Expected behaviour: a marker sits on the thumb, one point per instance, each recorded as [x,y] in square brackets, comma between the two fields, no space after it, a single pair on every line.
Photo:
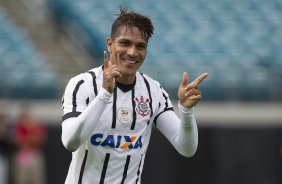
[110,64]
[185,79]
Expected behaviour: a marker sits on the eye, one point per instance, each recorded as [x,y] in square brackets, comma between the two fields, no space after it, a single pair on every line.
[141,46]
[124,43]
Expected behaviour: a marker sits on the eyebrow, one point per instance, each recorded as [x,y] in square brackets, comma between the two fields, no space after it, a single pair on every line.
[123,39]
[128,40]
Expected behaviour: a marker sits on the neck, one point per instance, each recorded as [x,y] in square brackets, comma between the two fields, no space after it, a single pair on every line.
[127,80]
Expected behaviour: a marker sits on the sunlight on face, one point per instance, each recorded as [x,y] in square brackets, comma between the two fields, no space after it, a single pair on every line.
[128,51]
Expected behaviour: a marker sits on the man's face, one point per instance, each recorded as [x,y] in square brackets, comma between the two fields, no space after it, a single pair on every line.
[128,51]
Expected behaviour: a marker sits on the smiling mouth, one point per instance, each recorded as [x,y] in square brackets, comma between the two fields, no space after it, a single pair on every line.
[130,61]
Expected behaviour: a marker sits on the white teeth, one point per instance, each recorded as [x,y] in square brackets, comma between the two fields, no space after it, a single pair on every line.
[131,61]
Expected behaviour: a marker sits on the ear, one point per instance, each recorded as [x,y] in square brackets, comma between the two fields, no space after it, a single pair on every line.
[109,44]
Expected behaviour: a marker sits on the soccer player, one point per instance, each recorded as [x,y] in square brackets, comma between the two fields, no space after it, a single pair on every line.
[109,111]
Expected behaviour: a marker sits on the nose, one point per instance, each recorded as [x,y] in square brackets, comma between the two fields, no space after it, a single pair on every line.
[132,51]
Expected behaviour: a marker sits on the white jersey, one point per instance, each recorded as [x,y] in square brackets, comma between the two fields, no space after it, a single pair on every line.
[115,151]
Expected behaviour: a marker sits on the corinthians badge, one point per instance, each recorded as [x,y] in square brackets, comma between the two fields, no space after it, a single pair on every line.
[124,115]
[142,106]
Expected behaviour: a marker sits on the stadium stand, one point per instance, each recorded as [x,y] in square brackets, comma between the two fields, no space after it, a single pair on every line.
[24,72]
[237,42]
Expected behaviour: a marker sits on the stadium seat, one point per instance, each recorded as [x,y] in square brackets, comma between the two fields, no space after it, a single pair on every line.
[23,71]
[222,37]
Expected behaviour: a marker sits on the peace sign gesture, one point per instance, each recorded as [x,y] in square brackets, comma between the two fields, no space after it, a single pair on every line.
[189,94]
[110,74]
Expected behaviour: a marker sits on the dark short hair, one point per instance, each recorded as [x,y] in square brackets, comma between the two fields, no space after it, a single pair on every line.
[131,19]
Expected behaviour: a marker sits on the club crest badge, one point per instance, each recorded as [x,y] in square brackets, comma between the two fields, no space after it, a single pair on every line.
[124,115]
[142,106]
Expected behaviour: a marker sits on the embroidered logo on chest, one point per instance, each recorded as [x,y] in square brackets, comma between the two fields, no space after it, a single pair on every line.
[142,105]
[124,115]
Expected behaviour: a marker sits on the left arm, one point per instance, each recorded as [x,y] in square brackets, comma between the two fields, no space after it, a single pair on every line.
[183,132]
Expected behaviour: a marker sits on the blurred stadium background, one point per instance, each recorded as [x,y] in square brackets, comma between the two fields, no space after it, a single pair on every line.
[43,43]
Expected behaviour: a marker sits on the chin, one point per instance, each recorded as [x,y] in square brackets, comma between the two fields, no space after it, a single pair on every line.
[128,73]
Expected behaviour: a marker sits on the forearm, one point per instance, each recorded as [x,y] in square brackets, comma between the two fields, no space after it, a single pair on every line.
[76,130]
[187,137]
[182,133]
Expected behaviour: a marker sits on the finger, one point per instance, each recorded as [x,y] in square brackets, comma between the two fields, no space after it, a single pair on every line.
[196,82]
[185,79]
[199,79]
[113,70]
[110,65]
[106,60]
[196,97]
[190,92]
[192,85]
[115,74]
[193,92]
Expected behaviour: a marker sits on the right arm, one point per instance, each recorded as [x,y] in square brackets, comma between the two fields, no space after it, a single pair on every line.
[78,128]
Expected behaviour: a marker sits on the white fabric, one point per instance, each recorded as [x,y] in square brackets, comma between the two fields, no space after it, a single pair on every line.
[75,131]
[96,133]
[183,132]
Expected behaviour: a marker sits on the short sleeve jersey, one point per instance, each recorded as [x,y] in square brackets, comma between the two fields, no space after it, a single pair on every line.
[115,151]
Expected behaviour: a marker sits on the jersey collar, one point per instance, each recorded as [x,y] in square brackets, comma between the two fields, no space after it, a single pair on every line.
[126,87]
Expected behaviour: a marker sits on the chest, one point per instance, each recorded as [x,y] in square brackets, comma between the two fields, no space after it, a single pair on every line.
[129,111]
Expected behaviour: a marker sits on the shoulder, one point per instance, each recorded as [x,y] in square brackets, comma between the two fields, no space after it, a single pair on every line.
[94,72]
[152,85]
[155,87]
[90,74]
[152,82]
[85,77]
[82,83]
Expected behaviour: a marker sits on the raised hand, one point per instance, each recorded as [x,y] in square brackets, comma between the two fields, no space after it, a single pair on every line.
[188,93]
[111,72]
